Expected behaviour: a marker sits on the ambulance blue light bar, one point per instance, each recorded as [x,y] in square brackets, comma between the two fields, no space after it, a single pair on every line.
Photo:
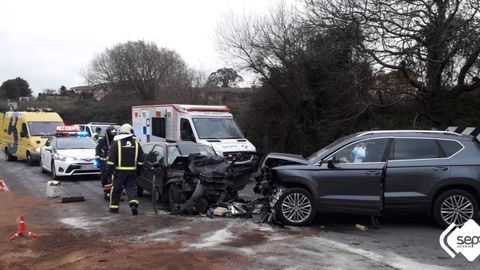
[82,134]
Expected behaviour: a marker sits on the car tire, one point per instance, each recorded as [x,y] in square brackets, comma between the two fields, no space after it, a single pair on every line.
[42,170]
[452,202]
[30,160]
[139,191]
[9,157]
[295,207]
[54,172]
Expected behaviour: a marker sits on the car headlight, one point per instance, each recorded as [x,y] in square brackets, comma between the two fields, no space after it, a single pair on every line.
[63,158]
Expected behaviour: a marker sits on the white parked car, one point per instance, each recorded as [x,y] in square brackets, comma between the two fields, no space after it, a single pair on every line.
[69,155]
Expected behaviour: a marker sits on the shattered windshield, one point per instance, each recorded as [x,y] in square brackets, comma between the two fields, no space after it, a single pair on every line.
[196,148]
[217,128]
[185,149]
[43,128]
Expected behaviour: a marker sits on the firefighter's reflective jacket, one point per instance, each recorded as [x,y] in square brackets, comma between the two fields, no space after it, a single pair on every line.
[125,154]
[101,151]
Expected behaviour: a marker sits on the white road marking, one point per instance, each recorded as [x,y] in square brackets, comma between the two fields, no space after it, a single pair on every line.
[391,259]
[82,223]
[215,239]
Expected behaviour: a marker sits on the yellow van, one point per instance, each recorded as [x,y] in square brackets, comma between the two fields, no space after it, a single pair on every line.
[1,125]
[24,133]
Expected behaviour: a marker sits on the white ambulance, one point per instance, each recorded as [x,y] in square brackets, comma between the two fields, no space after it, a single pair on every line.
[210,125]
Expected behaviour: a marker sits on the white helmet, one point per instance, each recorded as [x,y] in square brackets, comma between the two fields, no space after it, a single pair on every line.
[126,129]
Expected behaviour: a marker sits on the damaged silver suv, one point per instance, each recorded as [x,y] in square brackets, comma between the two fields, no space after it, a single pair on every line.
[376,172]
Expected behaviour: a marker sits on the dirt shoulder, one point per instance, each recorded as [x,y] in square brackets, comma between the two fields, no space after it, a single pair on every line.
[58,247]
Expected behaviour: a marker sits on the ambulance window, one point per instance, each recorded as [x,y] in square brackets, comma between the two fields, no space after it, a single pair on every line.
[158,127]
[24,132]
[186,130]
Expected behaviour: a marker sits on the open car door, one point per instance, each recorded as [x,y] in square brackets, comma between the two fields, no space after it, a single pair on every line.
[352,180]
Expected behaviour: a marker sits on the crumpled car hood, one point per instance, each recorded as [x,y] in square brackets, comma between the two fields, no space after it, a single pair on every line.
[281,159]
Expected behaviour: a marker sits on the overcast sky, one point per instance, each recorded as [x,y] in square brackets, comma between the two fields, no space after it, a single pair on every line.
[49,42]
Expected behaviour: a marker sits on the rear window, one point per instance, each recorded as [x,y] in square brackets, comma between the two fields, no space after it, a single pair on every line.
[450,147]
[416,149]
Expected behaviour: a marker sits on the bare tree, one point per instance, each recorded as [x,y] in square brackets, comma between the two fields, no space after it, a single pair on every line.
[309,78]
[434,44]
[139,68]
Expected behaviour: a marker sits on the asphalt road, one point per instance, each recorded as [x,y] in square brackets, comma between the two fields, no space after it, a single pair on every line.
[332,242]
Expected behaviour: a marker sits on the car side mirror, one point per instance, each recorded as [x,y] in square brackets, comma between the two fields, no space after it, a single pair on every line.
[23,134]
[331,163]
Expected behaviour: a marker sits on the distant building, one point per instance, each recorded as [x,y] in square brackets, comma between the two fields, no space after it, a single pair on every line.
[24,99]
[98,91]
[12,105]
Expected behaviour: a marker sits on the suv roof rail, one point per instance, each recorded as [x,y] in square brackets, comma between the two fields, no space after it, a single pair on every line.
[409,131]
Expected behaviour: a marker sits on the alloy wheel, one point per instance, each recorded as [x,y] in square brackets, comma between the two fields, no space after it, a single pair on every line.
[457,209]
[296,207]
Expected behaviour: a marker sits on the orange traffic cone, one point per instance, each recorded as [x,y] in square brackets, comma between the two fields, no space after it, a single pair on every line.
[3,186]
[22,230]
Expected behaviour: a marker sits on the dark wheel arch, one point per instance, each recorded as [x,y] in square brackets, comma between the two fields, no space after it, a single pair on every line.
[284,178]
[446,188]
[30,160]
[8,156]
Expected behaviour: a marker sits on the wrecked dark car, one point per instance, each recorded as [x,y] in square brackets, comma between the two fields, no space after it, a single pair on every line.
[191,177]
[375,172]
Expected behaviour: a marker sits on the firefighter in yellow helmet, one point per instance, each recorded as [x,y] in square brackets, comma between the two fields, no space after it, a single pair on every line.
[125,158]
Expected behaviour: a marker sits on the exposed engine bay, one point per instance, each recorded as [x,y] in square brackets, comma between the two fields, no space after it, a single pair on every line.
[209,181]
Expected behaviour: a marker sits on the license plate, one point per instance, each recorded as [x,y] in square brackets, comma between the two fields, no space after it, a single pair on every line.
[89,167]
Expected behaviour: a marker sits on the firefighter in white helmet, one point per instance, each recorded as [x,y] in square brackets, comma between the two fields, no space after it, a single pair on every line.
[125,158]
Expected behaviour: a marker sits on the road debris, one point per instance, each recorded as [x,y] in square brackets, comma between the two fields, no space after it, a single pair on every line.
[71,198]
[360,227]
[220,211]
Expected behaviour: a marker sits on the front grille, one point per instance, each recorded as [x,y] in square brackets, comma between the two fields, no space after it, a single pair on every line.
[243,156]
